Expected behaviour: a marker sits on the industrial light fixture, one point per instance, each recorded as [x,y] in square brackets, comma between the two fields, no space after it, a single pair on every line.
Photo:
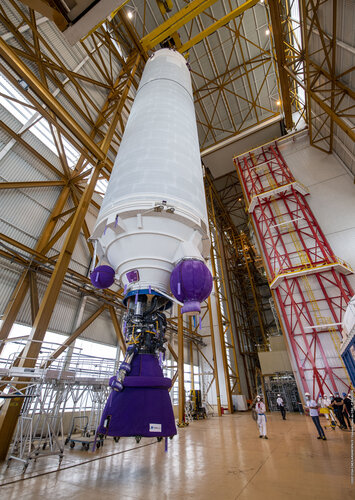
[278,103]
[267,32]
[130,14]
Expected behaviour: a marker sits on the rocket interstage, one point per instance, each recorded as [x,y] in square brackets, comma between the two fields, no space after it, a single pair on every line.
[153,215]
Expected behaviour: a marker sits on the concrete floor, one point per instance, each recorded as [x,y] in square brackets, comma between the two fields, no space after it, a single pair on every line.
[219,458]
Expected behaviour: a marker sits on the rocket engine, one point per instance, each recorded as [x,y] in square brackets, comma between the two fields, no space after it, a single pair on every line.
[152,236]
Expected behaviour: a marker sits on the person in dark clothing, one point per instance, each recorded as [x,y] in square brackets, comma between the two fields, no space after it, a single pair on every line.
[281,406]
[338,405]
[348,404]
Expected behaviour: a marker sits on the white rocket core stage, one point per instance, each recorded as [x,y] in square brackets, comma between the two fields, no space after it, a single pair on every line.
[154,211]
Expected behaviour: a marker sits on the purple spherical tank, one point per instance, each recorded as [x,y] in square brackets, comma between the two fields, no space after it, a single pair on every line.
[191,283]
[102,277]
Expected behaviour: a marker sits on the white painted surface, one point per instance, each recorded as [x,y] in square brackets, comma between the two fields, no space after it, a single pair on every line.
[158,163]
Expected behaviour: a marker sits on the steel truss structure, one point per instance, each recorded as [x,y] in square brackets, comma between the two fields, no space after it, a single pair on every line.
[308,281]
[240,308]
[307,51]
[239,90]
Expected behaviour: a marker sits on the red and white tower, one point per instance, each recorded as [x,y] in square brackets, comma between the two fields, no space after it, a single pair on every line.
[308,281]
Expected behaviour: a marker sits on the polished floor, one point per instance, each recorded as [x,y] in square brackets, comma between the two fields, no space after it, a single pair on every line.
[219,458]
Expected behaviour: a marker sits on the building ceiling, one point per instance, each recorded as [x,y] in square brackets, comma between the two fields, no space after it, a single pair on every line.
[233,73]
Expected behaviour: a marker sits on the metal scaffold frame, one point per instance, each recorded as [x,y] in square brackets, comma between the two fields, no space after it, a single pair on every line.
[309,282]
[53,387]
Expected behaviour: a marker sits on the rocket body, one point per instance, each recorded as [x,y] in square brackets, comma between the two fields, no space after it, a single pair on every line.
[153,214]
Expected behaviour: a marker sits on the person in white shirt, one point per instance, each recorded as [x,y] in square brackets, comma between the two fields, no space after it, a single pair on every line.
[281,405]
[313,413]
[260,409]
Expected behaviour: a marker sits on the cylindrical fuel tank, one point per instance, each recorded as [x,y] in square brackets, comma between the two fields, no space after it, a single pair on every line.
[154,212]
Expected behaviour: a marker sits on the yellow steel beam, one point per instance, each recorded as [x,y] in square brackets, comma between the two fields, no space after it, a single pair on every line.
[57,235]
[328,110]
[20,291]
[175,22]
[222,340]
[192,363]
[133,34]
[34,295]
[73,336]
[32,150]
[45,95]
[275,16]
[180,361]
[214,358]
[32,184]
[173,353]
[218,24]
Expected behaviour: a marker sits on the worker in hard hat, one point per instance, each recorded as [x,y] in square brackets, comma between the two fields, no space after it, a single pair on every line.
[312,406]
[281,406]
[261,413]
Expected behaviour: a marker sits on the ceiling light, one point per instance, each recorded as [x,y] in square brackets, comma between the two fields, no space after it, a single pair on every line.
[130,14]
[267,32]
[278,103]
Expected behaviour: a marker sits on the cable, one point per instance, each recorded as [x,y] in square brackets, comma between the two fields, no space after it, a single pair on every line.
[75,465]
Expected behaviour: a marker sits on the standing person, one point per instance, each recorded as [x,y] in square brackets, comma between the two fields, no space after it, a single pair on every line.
[313,412]
[347,408]
[350,406]
[338,405]
[261,413]
[280,404]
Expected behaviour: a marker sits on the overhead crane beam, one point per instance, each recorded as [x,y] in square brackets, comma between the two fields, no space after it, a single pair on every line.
[192,10]
[171,25]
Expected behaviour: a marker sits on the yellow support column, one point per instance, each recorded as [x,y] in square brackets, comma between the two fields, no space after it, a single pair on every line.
[216,379]
[181,421]
[191,357]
